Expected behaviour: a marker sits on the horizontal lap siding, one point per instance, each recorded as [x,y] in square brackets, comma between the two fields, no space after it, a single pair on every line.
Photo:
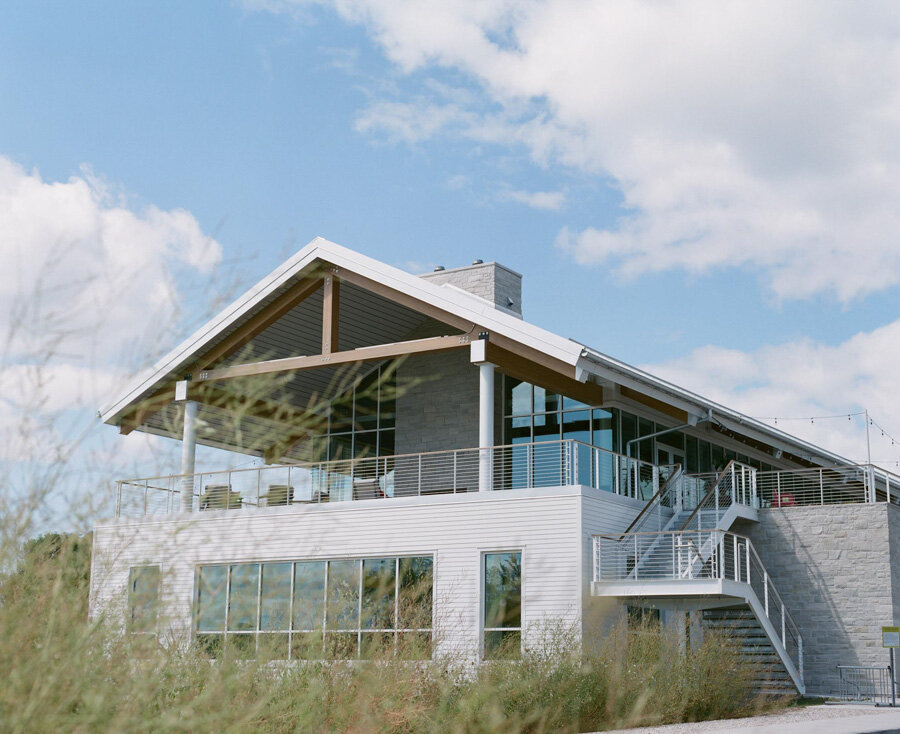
[456,530]
[603,512]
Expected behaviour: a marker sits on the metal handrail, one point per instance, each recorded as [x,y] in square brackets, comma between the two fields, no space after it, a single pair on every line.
[712,491]
[656,498]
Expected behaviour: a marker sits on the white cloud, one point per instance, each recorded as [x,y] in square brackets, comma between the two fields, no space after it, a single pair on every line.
[89,284]
[546,200]
[751,133]
[802,379]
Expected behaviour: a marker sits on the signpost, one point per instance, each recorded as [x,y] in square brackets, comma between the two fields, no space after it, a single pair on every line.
[890,638]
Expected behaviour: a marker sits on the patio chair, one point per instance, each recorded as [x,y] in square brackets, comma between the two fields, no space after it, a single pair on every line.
[279,495]
[220,497]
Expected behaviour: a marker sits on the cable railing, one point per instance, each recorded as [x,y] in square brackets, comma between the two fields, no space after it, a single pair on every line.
[517,466]
[838,485]
[679,556]
[735,484]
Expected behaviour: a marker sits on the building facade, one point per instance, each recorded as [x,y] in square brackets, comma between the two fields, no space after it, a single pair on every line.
[439,477]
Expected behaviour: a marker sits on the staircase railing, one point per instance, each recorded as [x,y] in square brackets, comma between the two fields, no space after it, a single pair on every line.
[735,484]
[699,555]
[665,498]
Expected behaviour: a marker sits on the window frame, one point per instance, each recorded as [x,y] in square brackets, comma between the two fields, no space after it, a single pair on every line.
[153,629]
[482,598]
[358,630]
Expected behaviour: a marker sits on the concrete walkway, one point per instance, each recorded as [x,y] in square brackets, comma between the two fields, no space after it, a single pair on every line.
[825,719]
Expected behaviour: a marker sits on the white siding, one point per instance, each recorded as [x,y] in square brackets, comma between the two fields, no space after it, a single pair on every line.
[456,529]
[604,512]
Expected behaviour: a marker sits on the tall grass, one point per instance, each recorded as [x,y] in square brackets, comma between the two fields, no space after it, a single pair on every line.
[63,673]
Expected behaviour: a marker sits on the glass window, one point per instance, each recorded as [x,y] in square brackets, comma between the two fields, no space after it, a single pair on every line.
[243,593]
[143,598]
[309,595]
[342,610]
[545,401]
[705,461]
[502,604]
[691,457]
[396,593]
[416,585]
[275,596]
[516,397]
[211,596]
[379,586]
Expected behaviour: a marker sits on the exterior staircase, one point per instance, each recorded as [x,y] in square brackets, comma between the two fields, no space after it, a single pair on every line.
[740,624]
[693,561]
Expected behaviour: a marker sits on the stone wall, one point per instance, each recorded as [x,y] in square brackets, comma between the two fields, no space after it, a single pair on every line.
[493,282]
[837,568]
[437,406]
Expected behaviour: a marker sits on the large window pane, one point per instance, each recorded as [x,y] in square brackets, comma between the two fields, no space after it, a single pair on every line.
[143,598]
[243,597]
[211,595]
[379,581]
[604,438]
[343,595]
[545,400]
[275,601]
[502,604]
[502,590]
[517,397]
[416,592]
[309,595]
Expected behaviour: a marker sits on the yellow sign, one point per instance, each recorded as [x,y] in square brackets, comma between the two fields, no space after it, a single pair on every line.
[890,636]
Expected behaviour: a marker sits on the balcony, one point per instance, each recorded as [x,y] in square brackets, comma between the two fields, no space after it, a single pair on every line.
[498,468]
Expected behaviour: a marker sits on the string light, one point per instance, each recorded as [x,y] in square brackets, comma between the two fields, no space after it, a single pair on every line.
[849,416]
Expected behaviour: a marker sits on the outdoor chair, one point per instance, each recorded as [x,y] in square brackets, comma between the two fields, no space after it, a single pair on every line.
[220,497]
[279,495]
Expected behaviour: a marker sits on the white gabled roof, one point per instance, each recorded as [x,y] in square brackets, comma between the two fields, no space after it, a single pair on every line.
[466,306]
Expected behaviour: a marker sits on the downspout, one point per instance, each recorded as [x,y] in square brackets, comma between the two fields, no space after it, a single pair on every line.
[709,417]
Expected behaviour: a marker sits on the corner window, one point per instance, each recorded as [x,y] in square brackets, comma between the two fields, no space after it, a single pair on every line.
[502,605]
[143,599]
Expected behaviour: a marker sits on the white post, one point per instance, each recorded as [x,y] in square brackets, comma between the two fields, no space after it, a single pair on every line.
[188,454]
[485,414]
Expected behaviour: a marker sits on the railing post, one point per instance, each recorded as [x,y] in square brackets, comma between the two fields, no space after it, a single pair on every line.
[146,491]
[733,488]
[737,560]
[800,657]
[118,498]
[871,483]
[675,573]
[821,489]
[783,635]
[420,475]
[747,547]
[635,557]
[766,591]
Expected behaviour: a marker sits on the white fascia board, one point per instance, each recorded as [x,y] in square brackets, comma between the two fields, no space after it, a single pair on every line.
[606,367]
[465,305]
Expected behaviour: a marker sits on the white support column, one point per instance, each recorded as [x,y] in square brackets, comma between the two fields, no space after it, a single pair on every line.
[188,449]
[485,415]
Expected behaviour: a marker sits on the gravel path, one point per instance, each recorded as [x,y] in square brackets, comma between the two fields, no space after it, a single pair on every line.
[823,719]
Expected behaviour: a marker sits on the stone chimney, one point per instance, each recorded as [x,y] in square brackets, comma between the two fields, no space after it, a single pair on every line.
[491,281]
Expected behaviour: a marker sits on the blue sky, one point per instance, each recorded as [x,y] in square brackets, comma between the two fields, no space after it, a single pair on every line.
[708,191]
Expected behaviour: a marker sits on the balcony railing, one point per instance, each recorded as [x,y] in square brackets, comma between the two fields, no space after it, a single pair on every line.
[516,466]
[838,485]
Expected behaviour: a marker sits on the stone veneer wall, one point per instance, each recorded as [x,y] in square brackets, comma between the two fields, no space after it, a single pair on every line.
[837,568]
[437,405]
[493,282]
